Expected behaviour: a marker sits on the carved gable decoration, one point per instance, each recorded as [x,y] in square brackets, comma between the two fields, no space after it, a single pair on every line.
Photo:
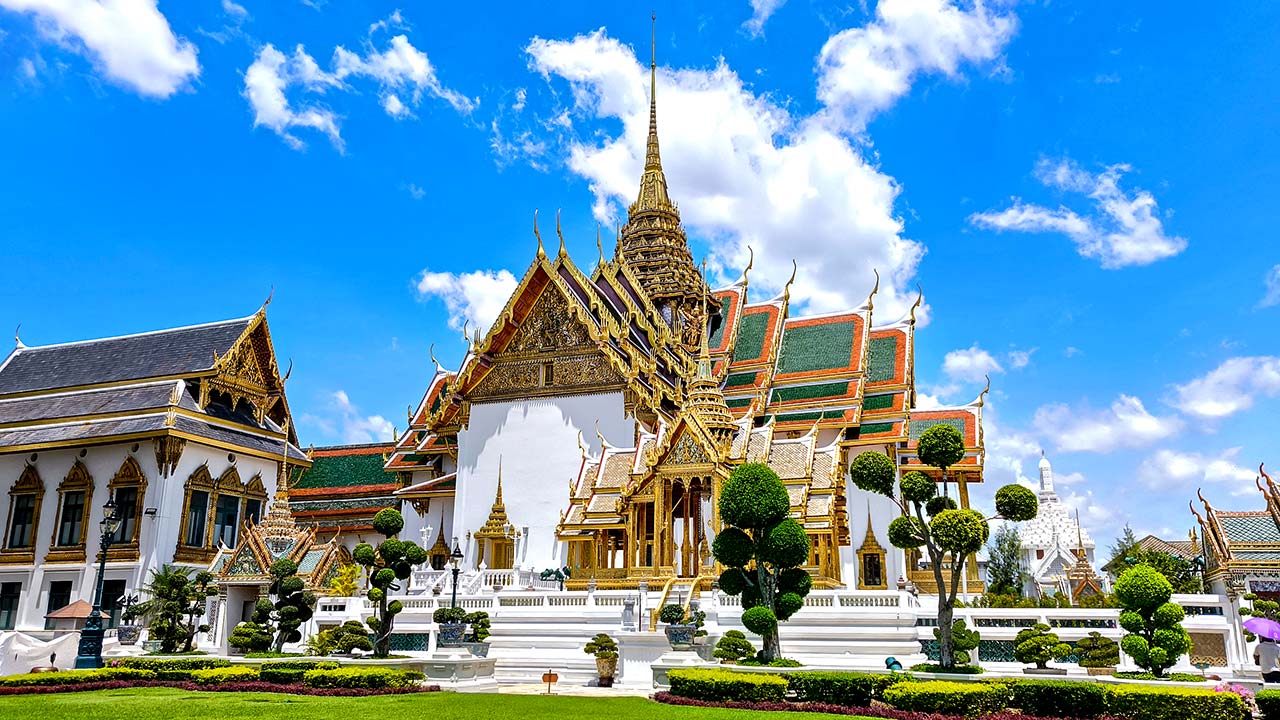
[549,326]
[244,563]
[686,450]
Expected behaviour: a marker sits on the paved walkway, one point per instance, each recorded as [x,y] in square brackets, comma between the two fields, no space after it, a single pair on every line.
[573,690]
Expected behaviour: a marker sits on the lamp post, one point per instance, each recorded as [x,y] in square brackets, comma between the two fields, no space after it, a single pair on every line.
[455,559]
[90,651]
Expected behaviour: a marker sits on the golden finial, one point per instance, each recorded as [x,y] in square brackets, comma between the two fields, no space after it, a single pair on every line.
[408,416]
[175,395]
[270,294]
[599,245]
[17,341]
[1263,472]
[982,395]
[563,252]
[288,372]
[751,262]
[786,290]
[466,333]
[653,39]
[603,444]
[542,254]
[919,299]
[583,447]
[874,290]
[431,352]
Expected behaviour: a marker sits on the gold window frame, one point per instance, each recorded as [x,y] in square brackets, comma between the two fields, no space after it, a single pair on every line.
[199,480]
[29,483]
[871,548]
[78,479]
[129,475]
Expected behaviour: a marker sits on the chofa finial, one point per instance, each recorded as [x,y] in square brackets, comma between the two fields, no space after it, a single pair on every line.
[270,294]
[17,341]
[563,251]
[542,253]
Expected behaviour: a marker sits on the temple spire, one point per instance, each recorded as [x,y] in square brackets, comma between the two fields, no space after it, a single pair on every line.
[652,160]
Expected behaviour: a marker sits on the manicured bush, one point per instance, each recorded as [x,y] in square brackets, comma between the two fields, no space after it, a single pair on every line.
[725,685]
[1037,645]
[734,646]
[602,647]
[1143,702]
[957,670]
[1058,698]
[1269,703]
[361,678]
[672,614]
[219,676]
[1098,651]
[291,671]
[837,688]
[449,615]
[392,560]
[1157,638]
[178,668]
[252,637]
[479,624]
[949,698]
[76,677]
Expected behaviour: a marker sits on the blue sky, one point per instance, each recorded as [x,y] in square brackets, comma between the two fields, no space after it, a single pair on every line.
[1085,192]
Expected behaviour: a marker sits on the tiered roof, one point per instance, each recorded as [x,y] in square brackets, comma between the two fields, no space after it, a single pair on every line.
[1245,543]
[345,487]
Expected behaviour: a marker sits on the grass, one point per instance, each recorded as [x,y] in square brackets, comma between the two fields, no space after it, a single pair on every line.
[167,704]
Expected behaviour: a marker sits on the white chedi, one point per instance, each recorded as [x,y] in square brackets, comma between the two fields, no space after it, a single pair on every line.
[1052,541]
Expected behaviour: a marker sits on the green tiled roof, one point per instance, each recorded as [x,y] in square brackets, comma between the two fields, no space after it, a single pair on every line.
[345,471]
[816,347]
[740,379]
[1256,528]
[717,337]
[880,363]
[373,503]
[735,403]
[750,342]
[310,560]
[872,429]
[805,416]
[919,426]
[1256,554]
[810,392]
[878,402]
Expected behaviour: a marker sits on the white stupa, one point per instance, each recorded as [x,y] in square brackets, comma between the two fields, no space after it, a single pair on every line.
[1053,541]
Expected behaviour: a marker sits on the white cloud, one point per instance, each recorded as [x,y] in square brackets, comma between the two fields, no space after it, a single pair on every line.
[401,69]
[1271,297]
[234,10]
[973,364]
[27,69]
[1230,387]
[1170,468]
[761,11]
[1126,424]
[473,298]
[129,41]
[865,70]
[1072,351]
[1019,359]
[356,428]
[1006,451]
[395,19]
[1122,230]
[416,191]
[264,85]
[1093,513]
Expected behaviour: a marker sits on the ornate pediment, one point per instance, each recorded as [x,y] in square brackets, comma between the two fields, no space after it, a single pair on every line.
[549,327]
[687,451]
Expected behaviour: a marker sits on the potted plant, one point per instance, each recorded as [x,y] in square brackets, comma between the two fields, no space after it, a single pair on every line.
[680,632]
[606,651]
[1038,645]
[733,647]
[479,630]
[452,622]
[1098,655]
[128,632]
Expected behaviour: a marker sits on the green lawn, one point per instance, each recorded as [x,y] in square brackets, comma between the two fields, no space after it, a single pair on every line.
[167,704]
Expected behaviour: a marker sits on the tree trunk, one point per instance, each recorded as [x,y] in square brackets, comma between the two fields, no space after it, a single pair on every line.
[946,651]
[772,649]
[772,646]
[384,627]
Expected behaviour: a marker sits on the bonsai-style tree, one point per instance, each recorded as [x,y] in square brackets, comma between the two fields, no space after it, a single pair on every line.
[1005,573]
[449,616]
[963,639]
[392,560]
[1157,638]
[672,614]
[602,647]
[762,549]
[734,646]
[294,604]
[950,535]
[175,605]
[1037,645]
[557,574]
[479,622]
[256,635]
[1097,651]
[350,635]
[345,581]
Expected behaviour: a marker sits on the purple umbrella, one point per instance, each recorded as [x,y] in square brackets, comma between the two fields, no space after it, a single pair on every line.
[1262,627]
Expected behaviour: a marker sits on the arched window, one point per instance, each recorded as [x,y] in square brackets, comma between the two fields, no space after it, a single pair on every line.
[871,562]
[23,518]
[193,536]
[75,498]
[228,495]
[128,488]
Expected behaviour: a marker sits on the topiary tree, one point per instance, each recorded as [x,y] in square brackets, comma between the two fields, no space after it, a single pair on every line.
[256,634]
[762,550]
[1097,651]
[950,535]
[176,602]
[1157,638]
[294,604]
[734,646]
[1037,645]
[480,624]
[392,560]
[963,639]
[350,635]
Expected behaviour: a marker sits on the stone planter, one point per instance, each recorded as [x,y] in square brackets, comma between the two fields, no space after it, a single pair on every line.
[451,634]
[1101,670]
[606,668]
[681,636]
[478,649]
[128,634]
[1044,671]
[151,646]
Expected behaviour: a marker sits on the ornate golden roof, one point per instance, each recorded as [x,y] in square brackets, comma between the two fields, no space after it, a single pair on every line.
[495,526]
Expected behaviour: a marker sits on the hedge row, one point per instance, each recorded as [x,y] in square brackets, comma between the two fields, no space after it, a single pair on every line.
[313,674]
[1040,698]
[176,668]
[294,689]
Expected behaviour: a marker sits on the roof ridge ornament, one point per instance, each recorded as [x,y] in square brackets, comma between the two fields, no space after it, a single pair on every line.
[17,341]
[563,251]
[542,253]
[270,294]
[599,245]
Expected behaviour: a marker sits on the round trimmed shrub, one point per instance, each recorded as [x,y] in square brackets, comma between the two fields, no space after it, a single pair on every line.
[734,646]
[388,522]
[1014,502]
[906,533]
[960,532]
[873,471]
[795,580]
[1142,587]
[917,487]
[364,554]
[787,544]
[759,620]
[753,497]
[940,446]
[732,581]
[940,503]
[733,547]
[788,604]
[1132,621]
[1168,614]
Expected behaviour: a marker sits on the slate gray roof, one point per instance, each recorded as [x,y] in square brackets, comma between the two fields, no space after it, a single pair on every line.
[132,357]
[1253,527]
[95,402]
[240,439]
[83,431]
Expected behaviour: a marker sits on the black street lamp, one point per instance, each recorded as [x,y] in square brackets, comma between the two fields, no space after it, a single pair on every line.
[455,559]
[90,652]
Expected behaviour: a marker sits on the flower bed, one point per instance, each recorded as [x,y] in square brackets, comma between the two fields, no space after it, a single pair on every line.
[830,709]
[264,687]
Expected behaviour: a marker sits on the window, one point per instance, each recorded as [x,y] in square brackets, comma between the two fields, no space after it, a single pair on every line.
[871,561]
[872,570]
[128,488]
[548,374]
[10,592]
[22,521]
[197,511]
[59,597]
[127,506]
[112,590]
[252,511]
[71,524]
[225,520]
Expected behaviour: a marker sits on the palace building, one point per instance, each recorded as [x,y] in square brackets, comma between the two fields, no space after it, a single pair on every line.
[187,430]
[593,424]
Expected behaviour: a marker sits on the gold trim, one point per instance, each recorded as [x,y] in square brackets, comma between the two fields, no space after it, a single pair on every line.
[78,479]
[29,483]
